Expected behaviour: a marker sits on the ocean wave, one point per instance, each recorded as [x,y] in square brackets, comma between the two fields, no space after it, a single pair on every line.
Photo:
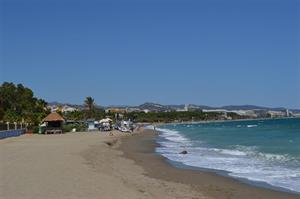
[254,152]
[231,152]
[240,161]
[151,127]
[248,126]
[284,158]
[173,135]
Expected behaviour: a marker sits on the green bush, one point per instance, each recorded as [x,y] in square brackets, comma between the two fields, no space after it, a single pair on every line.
[78,127]
[35,129]
[171,116]
[67,128]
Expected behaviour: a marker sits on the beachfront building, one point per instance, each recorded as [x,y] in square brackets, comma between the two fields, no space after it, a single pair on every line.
[62,108]
[137,110]
[277,114]
[247,113]
[53,108]
[185,109]
[116,110]
[92,125]
[133,110]
[146,110]
[296,114]
[68,109]
[53,123]
[215,111]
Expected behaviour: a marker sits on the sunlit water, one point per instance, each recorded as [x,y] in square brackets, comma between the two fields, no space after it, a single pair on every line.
[261,150]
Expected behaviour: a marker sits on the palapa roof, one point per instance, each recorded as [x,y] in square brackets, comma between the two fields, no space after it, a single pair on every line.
[53,117]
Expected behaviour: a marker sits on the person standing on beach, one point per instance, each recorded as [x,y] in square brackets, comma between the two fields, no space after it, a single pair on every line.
[156,132]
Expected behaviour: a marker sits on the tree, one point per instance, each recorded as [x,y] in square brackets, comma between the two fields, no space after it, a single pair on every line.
[1,109]
[89,102]
[74,115]
[17,103]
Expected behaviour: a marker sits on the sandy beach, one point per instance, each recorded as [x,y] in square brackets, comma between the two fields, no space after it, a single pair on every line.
[96,165]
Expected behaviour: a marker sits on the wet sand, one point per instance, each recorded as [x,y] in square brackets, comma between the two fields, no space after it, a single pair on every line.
[140,148]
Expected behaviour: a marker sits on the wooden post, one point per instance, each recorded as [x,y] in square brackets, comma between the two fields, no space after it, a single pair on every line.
[22,123]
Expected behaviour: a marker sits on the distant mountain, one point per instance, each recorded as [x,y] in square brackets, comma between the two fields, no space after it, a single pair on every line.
[155,107]
[63,104]
[295,110]
[54,103]
[118,106]
[160,107]
[194,106]
[78,106]
[244,107]
[252,107]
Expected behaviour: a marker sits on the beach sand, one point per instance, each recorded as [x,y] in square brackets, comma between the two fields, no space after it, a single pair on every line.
[140,148]
[96,165]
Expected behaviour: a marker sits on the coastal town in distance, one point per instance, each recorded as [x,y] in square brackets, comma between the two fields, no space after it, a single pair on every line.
[246,111]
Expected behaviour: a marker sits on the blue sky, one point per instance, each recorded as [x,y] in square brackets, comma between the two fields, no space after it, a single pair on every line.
[208,52]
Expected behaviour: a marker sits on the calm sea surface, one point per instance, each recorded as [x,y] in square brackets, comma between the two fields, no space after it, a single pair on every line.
[262,150]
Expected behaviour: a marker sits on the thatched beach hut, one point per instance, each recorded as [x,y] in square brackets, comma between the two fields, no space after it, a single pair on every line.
[54,123]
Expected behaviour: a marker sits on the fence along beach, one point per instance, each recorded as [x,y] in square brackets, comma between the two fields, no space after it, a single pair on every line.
[12,129]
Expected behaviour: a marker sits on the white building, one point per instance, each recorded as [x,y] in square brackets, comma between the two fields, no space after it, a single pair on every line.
[277,113]
[185,109]
[53,108]
[66,109]
[214,111]
[249,113]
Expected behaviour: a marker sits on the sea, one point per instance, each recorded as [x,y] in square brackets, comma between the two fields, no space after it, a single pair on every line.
[263,152]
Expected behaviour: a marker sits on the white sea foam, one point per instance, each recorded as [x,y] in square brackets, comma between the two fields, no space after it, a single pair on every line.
[174,136]
[241,161]
[251,126]
[151,127]
[232,152]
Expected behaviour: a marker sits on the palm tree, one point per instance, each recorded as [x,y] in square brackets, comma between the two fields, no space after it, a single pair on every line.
[89,102]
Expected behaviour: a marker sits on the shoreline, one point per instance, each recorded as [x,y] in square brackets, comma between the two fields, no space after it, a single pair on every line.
[141,149]
[224,173]
[292,188]
[85,165]
[216,121]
